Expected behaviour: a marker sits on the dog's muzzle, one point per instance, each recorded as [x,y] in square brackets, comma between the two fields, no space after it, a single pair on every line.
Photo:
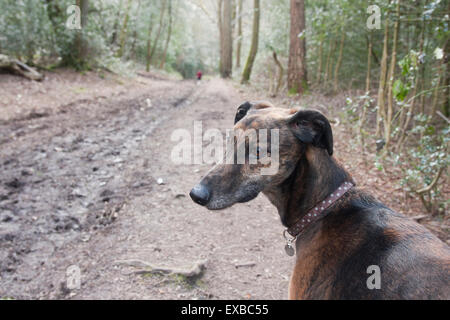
[200,194]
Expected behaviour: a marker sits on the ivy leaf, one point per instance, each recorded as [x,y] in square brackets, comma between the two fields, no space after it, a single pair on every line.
[400,90]
[430,130]
[405,65]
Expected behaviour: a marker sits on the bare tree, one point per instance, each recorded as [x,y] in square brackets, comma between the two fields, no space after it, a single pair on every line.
[280,73]
[132,53]
[226,38]
[339,61]
[151,52]
[320,65]
[80,44]
[149,42]
[239,34]
[116,24]
[169,34]
[390,109]
[254,46]
[382,84]
[369,61]
[297,77]
[123,32]
[329,63]
[446,105]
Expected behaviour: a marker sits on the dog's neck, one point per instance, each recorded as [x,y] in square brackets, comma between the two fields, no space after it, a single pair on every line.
[315,177]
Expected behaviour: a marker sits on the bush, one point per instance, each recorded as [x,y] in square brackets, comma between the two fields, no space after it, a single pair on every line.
[424,164]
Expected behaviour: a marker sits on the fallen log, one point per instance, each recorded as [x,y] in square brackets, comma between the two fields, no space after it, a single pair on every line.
[20,68]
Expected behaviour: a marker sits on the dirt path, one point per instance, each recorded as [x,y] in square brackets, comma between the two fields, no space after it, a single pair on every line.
[79,187]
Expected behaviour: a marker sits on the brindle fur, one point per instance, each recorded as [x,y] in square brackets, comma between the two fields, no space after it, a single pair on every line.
[357,231]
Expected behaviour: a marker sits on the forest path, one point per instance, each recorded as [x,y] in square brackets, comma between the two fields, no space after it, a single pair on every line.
[80,159]
[79,188]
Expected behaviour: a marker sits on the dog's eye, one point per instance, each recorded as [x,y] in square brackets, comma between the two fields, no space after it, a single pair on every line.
[302,123]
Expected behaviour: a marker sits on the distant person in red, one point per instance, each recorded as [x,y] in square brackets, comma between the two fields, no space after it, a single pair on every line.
[199,75]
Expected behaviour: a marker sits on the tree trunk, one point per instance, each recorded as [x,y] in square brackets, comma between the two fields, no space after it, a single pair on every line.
[280,74]
[381,87]
[436,95]
[152,48]
[446,105]
[239,35]
[158,32]
[254,46]
[339,61]
[233,16]
[271,70]
[369,62]
[169,33]
[80,43]
[124,30]
[331,47]
[149,44]
[319,68]
[297,76]
[390,110]
[55,15]
[132,54]
[116,24]
[226,57]
[409,114]
[220,26]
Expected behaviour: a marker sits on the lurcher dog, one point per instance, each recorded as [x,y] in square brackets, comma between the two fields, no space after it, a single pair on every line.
[352,231]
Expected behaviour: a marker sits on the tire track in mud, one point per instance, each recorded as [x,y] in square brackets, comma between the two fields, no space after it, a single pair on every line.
[62,176]
[164,228]
[97,162]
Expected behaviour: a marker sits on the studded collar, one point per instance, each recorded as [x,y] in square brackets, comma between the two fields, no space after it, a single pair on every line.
[315,213]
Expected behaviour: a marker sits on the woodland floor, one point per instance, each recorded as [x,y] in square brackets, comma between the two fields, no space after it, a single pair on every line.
[80,156]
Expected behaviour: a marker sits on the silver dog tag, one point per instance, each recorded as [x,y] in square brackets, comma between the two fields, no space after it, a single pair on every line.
[290,251]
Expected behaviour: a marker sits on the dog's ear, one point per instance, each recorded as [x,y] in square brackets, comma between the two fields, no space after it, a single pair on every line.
[242,111]
[312,127]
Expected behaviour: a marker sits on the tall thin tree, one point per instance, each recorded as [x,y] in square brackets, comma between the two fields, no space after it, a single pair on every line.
[382,83]
[150,53]
[369,61]
[390,102]
[239,34]
[254,46]
[124,30]
[339,60]
[80,42]
[169,34]
[116,24]
[297,76]
[226,52]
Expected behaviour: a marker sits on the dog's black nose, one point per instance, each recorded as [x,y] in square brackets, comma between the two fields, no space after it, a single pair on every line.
[200,194]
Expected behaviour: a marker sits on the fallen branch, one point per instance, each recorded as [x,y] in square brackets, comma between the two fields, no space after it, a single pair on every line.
[420,217]
[280,74]
[442,116]
[20,68]
[190,272]
[432,184]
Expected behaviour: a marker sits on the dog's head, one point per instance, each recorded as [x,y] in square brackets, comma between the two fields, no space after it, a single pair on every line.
[272,138]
